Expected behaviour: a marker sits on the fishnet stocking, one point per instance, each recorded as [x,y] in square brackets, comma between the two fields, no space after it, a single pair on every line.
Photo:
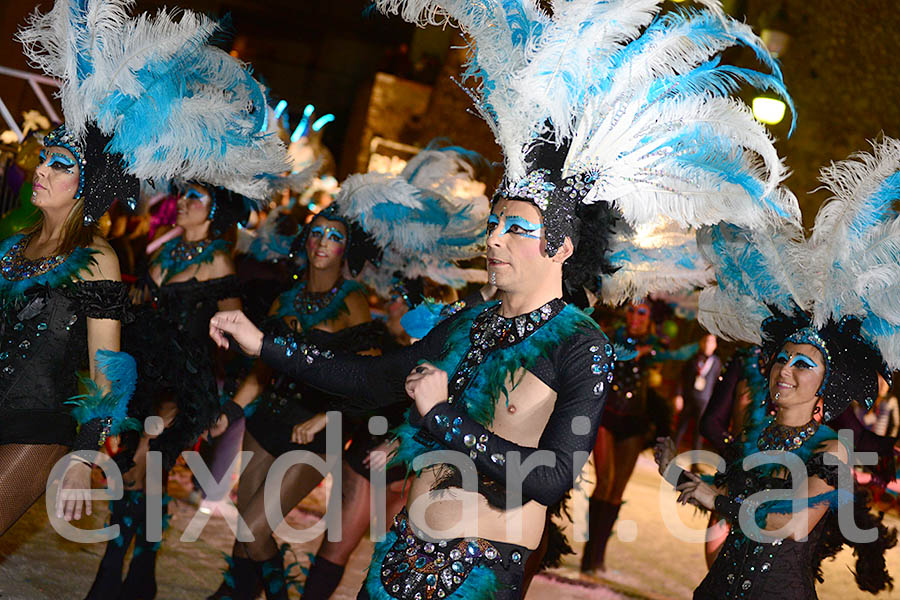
[299,481]
[24,469]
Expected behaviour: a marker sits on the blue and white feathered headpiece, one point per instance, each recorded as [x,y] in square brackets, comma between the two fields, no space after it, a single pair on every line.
[172,105]
[611,101]
[662,258]
[839,290]
[426,219]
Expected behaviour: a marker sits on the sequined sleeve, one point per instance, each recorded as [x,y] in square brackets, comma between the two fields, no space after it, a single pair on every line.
[365,382]
[581,385]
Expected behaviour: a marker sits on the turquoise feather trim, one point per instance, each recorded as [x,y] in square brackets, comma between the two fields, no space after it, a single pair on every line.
[171,266]
[422,319]
[279,576]
[332,311]
[409,448]
[481,584]
[63,274]
[479,398]
[121,371]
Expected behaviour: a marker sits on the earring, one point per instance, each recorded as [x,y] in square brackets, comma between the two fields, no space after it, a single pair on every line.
[777,396]
[816,410]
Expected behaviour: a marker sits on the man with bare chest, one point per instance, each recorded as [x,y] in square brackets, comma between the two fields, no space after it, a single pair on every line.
[507,398]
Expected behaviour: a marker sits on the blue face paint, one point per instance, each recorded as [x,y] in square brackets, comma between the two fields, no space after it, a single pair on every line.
[58,162]
[801,360]
[193,194]
[517,225]
[330,233]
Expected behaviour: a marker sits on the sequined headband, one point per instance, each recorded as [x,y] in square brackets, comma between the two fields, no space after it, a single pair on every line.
[62,138]
[557,201]
[809,335]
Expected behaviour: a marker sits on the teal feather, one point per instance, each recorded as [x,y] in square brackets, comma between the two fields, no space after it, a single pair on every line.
[422,319]
[489,382]
[63,274]
[121,371]
[335,308]
[171,266]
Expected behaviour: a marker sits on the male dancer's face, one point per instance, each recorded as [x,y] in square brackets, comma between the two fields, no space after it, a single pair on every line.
[326,243]
[516,257]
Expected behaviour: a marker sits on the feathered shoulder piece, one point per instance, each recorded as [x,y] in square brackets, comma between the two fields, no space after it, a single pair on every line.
[172,104]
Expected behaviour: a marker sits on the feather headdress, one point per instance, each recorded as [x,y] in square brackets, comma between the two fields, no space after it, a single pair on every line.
[837,290]
[614,102]
[170,104]
[652,259]
[426,219]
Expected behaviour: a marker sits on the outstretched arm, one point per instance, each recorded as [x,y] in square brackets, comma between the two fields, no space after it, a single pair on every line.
[369,381]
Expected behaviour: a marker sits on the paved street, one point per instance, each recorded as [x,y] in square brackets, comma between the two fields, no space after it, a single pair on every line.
[37,564]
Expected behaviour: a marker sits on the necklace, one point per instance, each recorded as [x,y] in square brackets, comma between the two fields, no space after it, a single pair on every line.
[15,266]
[178,254]
[786,437]
[307,302]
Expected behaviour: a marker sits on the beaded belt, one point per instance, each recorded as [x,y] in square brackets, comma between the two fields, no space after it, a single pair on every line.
[418,570]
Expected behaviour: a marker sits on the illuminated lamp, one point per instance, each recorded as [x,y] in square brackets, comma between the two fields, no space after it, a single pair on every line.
[768,110]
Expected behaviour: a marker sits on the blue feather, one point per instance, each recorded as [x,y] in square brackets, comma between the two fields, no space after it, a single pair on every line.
[121,371]
[422,319]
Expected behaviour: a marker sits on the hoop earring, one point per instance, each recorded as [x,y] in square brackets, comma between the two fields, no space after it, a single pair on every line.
[817,410]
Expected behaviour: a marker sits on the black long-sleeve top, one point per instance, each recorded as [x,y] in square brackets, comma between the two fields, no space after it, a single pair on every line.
[577,368]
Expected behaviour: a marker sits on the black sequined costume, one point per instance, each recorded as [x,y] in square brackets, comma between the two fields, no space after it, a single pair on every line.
[633,407]
[286,402]
[170,335]
[43,343]
[787,569]
[557,344]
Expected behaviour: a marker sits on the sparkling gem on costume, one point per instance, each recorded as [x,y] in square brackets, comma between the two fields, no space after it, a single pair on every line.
[15,267]
[784,437]
[469,440]
[178,254]
[498,458]
[535,187]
